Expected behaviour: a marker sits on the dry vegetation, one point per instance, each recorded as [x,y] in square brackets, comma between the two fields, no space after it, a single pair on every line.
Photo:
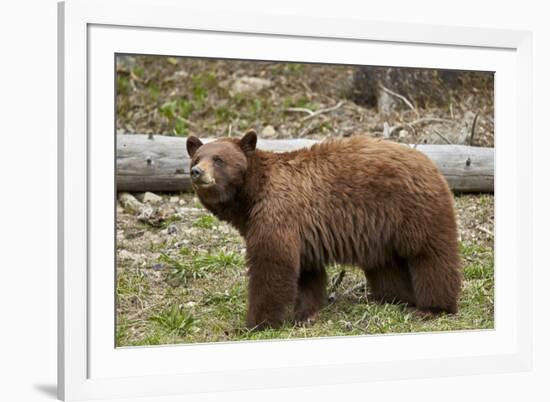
[181,96]
[180,273]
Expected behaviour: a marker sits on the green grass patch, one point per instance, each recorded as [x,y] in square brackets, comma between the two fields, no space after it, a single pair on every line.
[224,114]
[132,284]
[154,92]
[220,260]
[202,83]
[169,220]
[205,222]
[177,108]
[191,266]
[175,320]
[478,261]
[177,112]
[138,71]
[123,85]
[233,296]
[301,101]
[182,270]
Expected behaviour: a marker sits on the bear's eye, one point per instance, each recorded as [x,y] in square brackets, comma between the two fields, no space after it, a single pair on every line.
[218,161]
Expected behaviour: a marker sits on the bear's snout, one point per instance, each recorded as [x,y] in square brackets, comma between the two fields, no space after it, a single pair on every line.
[202,175]
[196,172]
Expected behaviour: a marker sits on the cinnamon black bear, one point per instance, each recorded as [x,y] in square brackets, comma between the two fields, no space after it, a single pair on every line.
[381,206]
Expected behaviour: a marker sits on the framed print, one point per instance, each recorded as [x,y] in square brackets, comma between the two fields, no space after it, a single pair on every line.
[255,201]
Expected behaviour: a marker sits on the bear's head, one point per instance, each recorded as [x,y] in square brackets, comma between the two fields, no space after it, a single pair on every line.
[218,168]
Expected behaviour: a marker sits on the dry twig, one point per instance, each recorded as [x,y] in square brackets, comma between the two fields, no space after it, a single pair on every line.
[308,129]
[325,110]
[405,100]
[360,286]
[337,281]
[472,133]
[300,110]
[486,231]
[187,121]
[423,120]
[442,137]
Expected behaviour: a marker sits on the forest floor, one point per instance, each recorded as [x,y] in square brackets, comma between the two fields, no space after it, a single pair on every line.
[181,276]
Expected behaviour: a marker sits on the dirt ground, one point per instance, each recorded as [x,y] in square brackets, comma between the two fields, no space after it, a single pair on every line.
[181,276]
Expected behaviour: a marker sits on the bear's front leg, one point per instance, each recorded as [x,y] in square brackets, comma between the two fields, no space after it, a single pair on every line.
[312,294]
[272,290]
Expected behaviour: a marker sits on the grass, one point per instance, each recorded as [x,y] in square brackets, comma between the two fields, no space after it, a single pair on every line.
[175,320]
[300,102]
[200,295]
[205,222]
[178,111]
[479,262]
[188,265]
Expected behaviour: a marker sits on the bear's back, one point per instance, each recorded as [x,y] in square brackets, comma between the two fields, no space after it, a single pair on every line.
[347,196]
[357,166]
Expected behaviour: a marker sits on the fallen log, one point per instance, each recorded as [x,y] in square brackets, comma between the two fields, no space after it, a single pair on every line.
[161,163]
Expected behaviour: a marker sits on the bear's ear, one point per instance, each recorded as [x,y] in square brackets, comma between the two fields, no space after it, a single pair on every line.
[248,142]
[193,143]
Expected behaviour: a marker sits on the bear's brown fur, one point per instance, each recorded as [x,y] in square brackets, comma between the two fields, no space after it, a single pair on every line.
[381,206]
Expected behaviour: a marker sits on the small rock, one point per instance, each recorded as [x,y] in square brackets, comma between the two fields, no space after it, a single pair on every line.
[249,85]
[156,216]
[174,200]
[181,202]
[151,198]
[129,202]
[332,297]
[172,228]
[190,304]
[403,133]
[157,267]
[146,213]
[268,131]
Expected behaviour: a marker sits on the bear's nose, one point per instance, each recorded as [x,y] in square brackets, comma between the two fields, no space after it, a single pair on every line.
[196,172]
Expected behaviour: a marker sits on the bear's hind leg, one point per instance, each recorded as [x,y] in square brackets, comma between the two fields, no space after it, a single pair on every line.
[391,283]
[312,294]
[436,282]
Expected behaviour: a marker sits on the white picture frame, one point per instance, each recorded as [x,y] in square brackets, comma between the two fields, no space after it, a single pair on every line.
[91,32]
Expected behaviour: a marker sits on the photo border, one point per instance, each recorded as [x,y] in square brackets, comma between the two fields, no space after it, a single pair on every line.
[74,18]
